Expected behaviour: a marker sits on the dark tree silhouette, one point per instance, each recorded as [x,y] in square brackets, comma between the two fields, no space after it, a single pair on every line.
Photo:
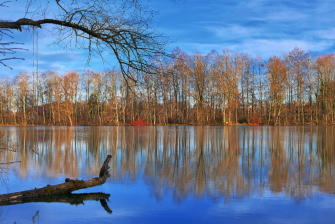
[119,26]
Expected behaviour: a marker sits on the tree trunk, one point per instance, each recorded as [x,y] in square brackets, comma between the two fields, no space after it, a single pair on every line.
[59,189]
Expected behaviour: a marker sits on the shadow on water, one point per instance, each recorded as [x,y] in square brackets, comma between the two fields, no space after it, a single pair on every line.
[228,162]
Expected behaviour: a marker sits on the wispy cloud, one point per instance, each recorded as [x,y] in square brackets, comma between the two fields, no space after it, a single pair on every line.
[259,47]
[257,27]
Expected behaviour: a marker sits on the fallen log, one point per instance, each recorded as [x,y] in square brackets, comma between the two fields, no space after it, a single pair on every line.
[59,189]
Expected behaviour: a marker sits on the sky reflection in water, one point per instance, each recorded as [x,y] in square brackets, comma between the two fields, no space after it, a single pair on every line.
[176,174]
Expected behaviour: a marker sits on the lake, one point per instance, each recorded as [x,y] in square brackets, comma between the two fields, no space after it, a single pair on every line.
[181,174]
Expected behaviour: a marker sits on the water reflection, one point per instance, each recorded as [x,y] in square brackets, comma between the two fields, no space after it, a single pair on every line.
[72,199]
[228,162]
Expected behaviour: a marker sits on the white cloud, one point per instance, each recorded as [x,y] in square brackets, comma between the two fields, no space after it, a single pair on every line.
[326,34]
[269,47]
[233,31]
[285,15]
[260,47]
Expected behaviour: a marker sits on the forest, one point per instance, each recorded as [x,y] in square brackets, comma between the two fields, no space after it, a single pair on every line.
[215,89]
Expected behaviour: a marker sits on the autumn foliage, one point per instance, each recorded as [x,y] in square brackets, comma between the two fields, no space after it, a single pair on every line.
[214,89]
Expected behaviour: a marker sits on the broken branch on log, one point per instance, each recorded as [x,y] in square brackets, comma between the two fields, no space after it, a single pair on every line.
[59,189]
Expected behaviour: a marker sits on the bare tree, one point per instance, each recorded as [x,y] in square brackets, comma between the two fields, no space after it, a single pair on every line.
[277,75]
[117,26]
[7,48]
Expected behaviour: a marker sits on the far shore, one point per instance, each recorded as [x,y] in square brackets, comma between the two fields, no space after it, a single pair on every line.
[171,125]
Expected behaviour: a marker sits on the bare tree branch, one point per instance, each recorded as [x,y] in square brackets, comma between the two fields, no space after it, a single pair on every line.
[126,36]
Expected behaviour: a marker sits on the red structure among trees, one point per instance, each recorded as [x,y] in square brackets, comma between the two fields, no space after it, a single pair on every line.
[139,122]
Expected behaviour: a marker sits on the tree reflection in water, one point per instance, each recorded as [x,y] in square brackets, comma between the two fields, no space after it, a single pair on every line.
[229,162]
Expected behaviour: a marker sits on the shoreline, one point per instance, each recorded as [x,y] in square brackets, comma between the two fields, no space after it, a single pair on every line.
[174,125]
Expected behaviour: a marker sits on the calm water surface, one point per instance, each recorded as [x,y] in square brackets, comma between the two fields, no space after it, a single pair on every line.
[174,174]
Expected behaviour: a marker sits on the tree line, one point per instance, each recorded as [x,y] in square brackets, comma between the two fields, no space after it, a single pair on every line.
[214,89]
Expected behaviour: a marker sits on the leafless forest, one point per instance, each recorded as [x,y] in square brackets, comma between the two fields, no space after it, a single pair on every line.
[218,88]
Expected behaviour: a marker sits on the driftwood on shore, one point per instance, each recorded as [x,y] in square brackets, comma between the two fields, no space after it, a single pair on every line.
[63,192]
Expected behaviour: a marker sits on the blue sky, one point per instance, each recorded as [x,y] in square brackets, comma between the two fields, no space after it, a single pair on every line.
[257,27]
